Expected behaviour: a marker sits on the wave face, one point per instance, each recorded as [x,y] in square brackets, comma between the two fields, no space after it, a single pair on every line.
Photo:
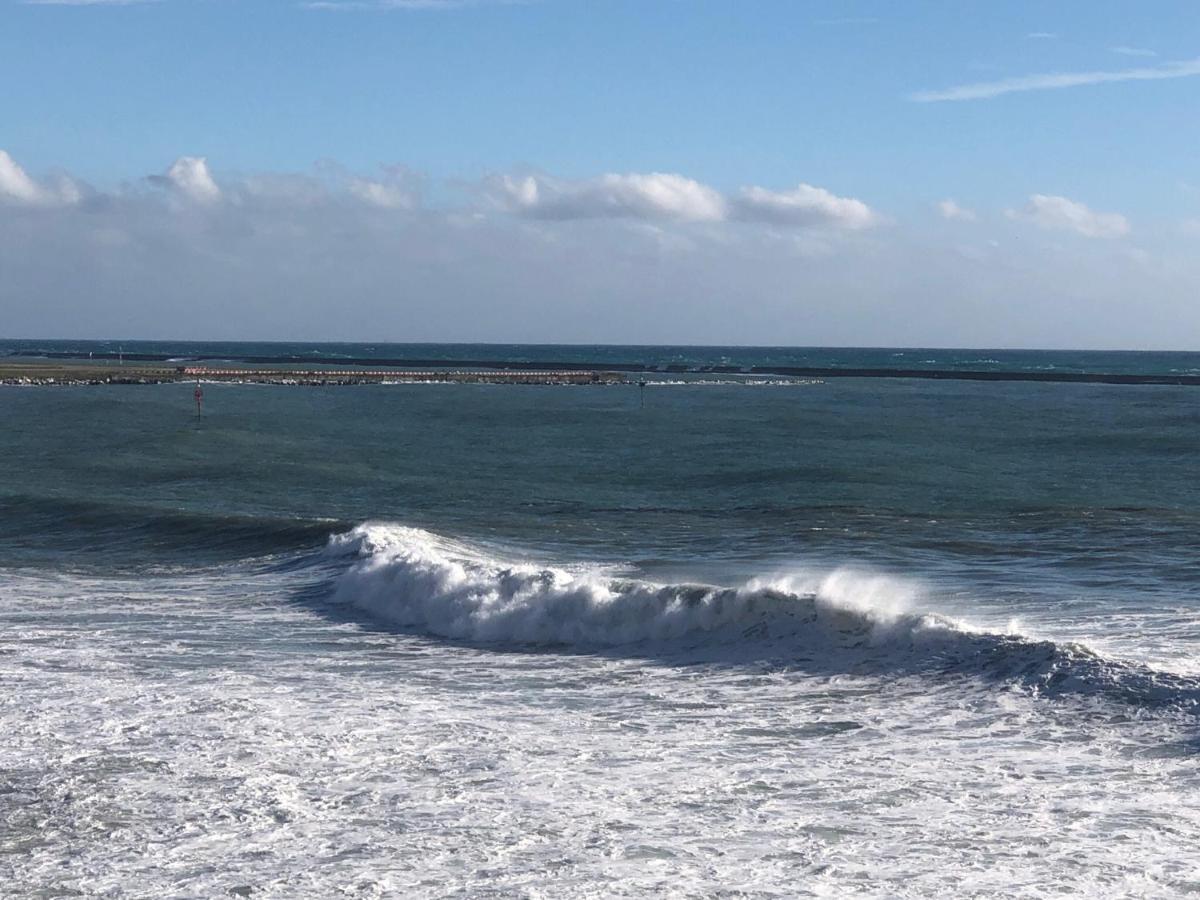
[839,622]
[39,529]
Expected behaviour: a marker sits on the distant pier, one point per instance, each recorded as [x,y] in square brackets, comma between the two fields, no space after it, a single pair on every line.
[58,371]
[356,370]
[368,376]
[66,368]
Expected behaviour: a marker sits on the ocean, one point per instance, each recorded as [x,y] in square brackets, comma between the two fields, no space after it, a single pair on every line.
[720,637]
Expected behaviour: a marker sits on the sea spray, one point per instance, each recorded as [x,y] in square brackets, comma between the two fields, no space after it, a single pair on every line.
[839,621]
[417,579]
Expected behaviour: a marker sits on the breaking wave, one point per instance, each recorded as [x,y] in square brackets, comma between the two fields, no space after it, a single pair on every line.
[839,622]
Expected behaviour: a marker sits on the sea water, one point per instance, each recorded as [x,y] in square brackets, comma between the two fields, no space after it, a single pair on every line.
[854,638]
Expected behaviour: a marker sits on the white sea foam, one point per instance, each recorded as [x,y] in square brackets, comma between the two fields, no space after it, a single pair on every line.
[259,747]
[417,579]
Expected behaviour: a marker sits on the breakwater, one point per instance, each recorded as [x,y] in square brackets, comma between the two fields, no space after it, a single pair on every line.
[367,376]
[562,369]
[88,373]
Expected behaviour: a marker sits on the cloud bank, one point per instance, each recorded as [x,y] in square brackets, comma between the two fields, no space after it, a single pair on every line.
[196,252]
[654,197]
[641,197]
[669,197]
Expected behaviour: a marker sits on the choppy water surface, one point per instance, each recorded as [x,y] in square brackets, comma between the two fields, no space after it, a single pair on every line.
[872,638]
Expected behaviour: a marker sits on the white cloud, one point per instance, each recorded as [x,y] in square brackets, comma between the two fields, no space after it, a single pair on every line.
[378,193]
[1041,36]
[397,189]
[949,209]
[805,205]
[668,197]
[1059,213]
[16,186]
[190,181]
[654,196]
[189,176]
[283,254]
[985,90]
[1133,51]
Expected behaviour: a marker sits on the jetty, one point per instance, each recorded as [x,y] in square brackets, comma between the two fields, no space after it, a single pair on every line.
[359,370]
[68,372]
[396,376]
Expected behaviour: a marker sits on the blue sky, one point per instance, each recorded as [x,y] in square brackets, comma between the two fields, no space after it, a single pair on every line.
[446,106]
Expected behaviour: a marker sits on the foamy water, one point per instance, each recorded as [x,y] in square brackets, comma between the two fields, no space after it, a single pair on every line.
[306,728]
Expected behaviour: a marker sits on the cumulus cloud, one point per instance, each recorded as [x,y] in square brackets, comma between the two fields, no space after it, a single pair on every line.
[669,197]
[804,205]
[653,196]
[15,184]
[378,193]
[305,256]
[949,209]
[189,177]
[986,90]
[18,188]
[1059,213]
[188,183]
[398,188]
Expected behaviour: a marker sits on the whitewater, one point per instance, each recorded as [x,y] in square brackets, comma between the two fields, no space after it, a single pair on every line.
[401,714]
[840,620]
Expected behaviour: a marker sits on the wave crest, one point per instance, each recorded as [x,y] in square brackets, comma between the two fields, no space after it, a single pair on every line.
[844,621]
[417,579]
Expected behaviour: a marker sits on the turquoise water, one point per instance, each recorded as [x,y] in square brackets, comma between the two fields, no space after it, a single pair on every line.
[868,581]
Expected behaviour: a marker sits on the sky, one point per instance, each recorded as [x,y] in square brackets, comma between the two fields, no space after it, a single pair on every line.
[834,172]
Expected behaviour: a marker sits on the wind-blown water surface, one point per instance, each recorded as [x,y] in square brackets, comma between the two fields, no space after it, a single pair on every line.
[877,638]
